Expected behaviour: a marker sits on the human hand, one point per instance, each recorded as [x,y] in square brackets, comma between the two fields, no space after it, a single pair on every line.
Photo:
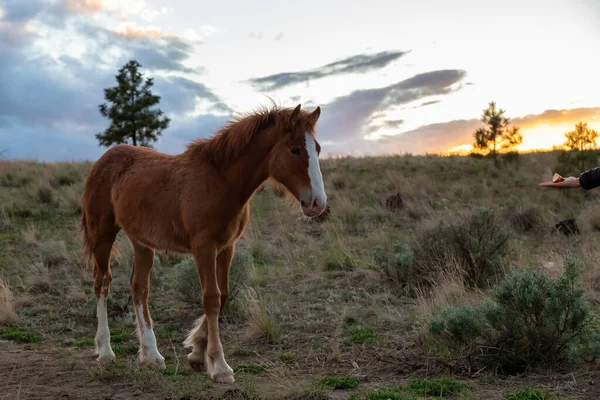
[567,183]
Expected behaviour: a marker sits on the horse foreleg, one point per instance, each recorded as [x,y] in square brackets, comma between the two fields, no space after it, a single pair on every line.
[140,289]
[198,337]
[205,257]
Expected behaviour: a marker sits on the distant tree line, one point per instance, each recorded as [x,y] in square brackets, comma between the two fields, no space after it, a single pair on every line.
[579,149]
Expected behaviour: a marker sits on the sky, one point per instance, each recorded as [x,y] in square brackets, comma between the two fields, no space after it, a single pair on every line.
[390,76]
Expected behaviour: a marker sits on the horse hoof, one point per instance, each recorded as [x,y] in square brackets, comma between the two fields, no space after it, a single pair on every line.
[157,361]
[105,359]
[224,377]
[196,361]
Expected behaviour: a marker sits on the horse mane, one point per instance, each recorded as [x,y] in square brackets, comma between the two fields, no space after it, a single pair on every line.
[230,140]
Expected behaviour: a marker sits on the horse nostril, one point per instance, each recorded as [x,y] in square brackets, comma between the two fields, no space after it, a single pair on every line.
[303,203]
[314,205]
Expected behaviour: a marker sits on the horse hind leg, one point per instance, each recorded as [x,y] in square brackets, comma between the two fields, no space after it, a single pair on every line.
[140,289]
[102,278]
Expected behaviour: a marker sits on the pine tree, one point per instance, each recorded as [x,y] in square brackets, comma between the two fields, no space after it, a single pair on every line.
[496,136]
[133,120]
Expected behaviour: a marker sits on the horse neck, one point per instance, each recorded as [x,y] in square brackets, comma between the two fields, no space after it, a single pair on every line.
[249,171]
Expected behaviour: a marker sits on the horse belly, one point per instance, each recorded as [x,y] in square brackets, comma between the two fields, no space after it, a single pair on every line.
[160,232]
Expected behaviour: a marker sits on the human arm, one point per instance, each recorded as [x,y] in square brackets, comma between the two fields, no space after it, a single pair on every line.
[586,180]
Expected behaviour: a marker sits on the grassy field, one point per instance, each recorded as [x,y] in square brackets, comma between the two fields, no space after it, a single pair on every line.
[333,308]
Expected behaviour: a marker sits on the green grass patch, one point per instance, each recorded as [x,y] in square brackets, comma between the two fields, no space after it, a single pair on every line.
[84,342]
[125,350]
[120,335]
[20,335]
[167,331]
[384,394]
[251,369]
[528,394]
[285,357]
[360,335]
[435,387]
[339,382]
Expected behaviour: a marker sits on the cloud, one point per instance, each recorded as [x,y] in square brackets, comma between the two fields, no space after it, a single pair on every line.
[49,102]
[358,63]
[431,138]
[429,103]
[442,136]
[83,6]
[558,117]
[392,124]
[153,50]
[350,117]
[179,95]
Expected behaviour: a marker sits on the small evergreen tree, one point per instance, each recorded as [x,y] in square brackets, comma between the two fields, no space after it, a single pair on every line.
[133,120]
[496,136]
[580,141]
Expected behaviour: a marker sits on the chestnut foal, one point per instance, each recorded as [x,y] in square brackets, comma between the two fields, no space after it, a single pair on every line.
[195,202]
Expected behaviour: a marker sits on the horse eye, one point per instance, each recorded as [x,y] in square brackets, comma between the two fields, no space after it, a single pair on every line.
[296,151]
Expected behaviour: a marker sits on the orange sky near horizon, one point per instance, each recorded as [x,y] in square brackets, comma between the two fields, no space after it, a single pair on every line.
[542,136]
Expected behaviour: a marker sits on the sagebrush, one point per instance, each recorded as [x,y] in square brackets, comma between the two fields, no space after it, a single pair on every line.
[530,320]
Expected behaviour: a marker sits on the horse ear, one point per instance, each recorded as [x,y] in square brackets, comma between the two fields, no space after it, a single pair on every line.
[295,113]
[314,116]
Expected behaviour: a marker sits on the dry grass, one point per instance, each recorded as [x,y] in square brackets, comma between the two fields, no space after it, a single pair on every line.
[31,235]
[7,312]
[263,325]
[449,291]
[53,252]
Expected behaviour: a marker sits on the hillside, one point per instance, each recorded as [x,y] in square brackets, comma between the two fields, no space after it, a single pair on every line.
[314,299]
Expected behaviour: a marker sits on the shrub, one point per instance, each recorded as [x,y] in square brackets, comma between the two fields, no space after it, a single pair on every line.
[531,319]
[45,193]
[478,243]
[397,263]
[187,282]
[524,219]
[473,247]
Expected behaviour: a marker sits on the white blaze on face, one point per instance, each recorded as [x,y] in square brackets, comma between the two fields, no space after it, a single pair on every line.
[314,171]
